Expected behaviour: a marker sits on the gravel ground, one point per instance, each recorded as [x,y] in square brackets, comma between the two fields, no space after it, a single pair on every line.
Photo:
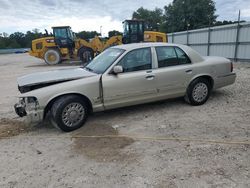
[163,144]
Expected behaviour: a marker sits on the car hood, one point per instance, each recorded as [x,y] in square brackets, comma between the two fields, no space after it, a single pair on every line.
[42,79]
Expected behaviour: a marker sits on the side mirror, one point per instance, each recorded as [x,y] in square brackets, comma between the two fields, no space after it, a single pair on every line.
[117,69]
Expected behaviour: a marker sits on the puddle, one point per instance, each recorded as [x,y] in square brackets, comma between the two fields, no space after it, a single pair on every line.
[11,127]
[103,149]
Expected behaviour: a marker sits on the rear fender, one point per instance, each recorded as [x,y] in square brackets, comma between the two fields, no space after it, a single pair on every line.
[203,76]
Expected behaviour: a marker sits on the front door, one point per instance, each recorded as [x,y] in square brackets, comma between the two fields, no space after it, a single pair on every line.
[136,84]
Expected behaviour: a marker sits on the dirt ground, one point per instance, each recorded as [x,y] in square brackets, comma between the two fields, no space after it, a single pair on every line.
[163,144]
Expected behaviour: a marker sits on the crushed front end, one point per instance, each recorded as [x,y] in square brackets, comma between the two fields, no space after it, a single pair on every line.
[29,106]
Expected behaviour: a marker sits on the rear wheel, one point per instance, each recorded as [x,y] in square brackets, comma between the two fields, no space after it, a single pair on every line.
[69,113]
[86,55]
[198,92]
[52,57]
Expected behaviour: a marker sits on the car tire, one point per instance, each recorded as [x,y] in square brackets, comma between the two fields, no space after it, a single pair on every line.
[52,57]
[198,92]
[86,55]
[69,113]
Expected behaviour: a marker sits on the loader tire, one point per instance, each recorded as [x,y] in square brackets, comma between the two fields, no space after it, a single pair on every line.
[86,55]
[52,57]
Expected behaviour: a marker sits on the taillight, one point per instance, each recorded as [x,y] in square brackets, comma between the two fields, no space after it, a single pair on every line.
[232,67]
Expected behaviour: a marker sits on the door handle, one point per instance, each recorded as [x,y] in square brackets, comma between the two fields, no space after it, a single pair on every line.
[189,71]
[150,77]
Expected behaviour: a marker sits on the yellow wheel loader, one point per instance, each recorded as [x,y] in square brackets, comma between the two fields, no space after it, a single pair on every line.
[64,46]
[134,32]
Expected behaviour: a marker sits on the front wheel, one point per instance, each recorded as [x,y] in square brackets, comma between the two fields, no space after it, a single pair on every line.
[69,113]
[198,92]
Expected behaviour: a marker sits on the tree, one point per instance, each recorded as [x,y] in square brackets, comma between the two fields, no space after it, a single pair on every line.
[2,43]
[87,34]
[18,38]
[114,33]
[189,14]
[29,36]
[154,18]
[12,43]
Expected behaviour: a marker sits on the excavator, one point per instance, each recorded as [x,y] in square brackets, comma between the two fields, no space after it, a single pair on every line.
[63,45]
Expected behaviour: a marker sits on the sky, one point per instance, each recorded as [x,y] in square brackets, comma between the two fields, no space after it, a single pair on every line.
[91,15]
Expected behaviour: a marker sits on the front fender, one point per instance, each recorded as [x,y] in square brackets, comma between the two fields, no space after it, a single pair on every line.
[88,87]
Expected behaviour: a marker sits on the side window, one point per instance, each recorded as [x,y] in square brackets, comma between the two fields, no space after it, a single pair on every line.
[136,60]
[166,56]
[182,57]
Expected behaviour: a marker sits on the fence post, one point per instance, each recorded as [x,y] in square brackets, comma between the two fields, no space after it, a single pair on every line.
[237,39]
[187,38]
[208,41]
[172,37]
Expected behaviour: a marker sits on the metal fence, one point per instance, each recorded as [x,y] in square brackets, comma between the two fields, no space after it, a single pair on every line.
[231,41]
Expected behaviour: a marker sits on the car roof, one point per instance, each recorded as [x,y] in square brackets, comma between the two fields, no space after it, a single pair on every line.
[193,55]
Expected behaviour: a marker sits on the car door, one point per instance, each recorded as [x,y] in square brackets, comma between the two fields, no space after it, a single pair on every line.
[136,84]
[174,71]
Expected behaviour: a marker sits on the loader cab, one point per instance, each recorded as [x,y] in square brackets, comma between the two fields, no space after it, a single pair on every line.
[133,31]
[64,37]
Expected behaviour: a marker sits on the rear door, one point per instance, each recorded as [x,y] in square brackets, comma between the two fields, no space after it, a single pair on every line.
[174,71]
[135,85]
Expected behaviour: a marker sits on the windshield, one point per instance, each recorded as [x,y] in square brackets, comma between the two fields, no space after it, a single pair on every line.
[60,33]
[103,61]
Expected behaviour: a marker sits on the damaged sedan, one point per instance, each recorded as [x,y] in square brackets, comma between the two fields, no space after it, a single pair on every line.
[122,76]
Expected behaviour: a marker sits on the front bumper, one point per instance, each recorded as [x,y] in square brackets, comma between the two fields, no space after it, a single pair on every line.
[32,114]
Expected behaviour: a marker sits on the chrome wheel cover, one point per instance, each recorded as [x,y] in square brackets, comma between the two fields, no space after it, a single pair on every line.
[200,92]
[73,114]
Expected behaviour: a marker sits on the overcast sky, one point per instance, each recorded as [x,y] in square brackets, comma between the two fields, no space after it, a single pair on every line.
[23,15]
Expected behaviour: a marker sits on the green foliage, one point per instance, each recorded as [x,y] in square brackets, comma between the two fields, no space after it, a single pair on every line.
[8,43]
[153,18]
[87,34]
[114,33]
[19,40]
[181,15]
[29,36]
[2,43]
[189,14]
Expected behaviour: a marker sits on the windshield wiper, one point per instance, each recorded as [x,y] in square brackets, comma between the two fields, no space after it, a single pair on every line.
[89,69]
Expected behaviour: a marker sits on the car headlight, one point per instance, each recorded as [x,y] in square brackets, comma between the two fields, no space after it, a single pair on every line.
[30,103]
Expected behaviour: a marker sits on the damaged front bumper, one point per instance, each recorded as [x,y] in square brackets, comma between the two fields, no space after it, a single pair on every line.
[20,109]
[29,106]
